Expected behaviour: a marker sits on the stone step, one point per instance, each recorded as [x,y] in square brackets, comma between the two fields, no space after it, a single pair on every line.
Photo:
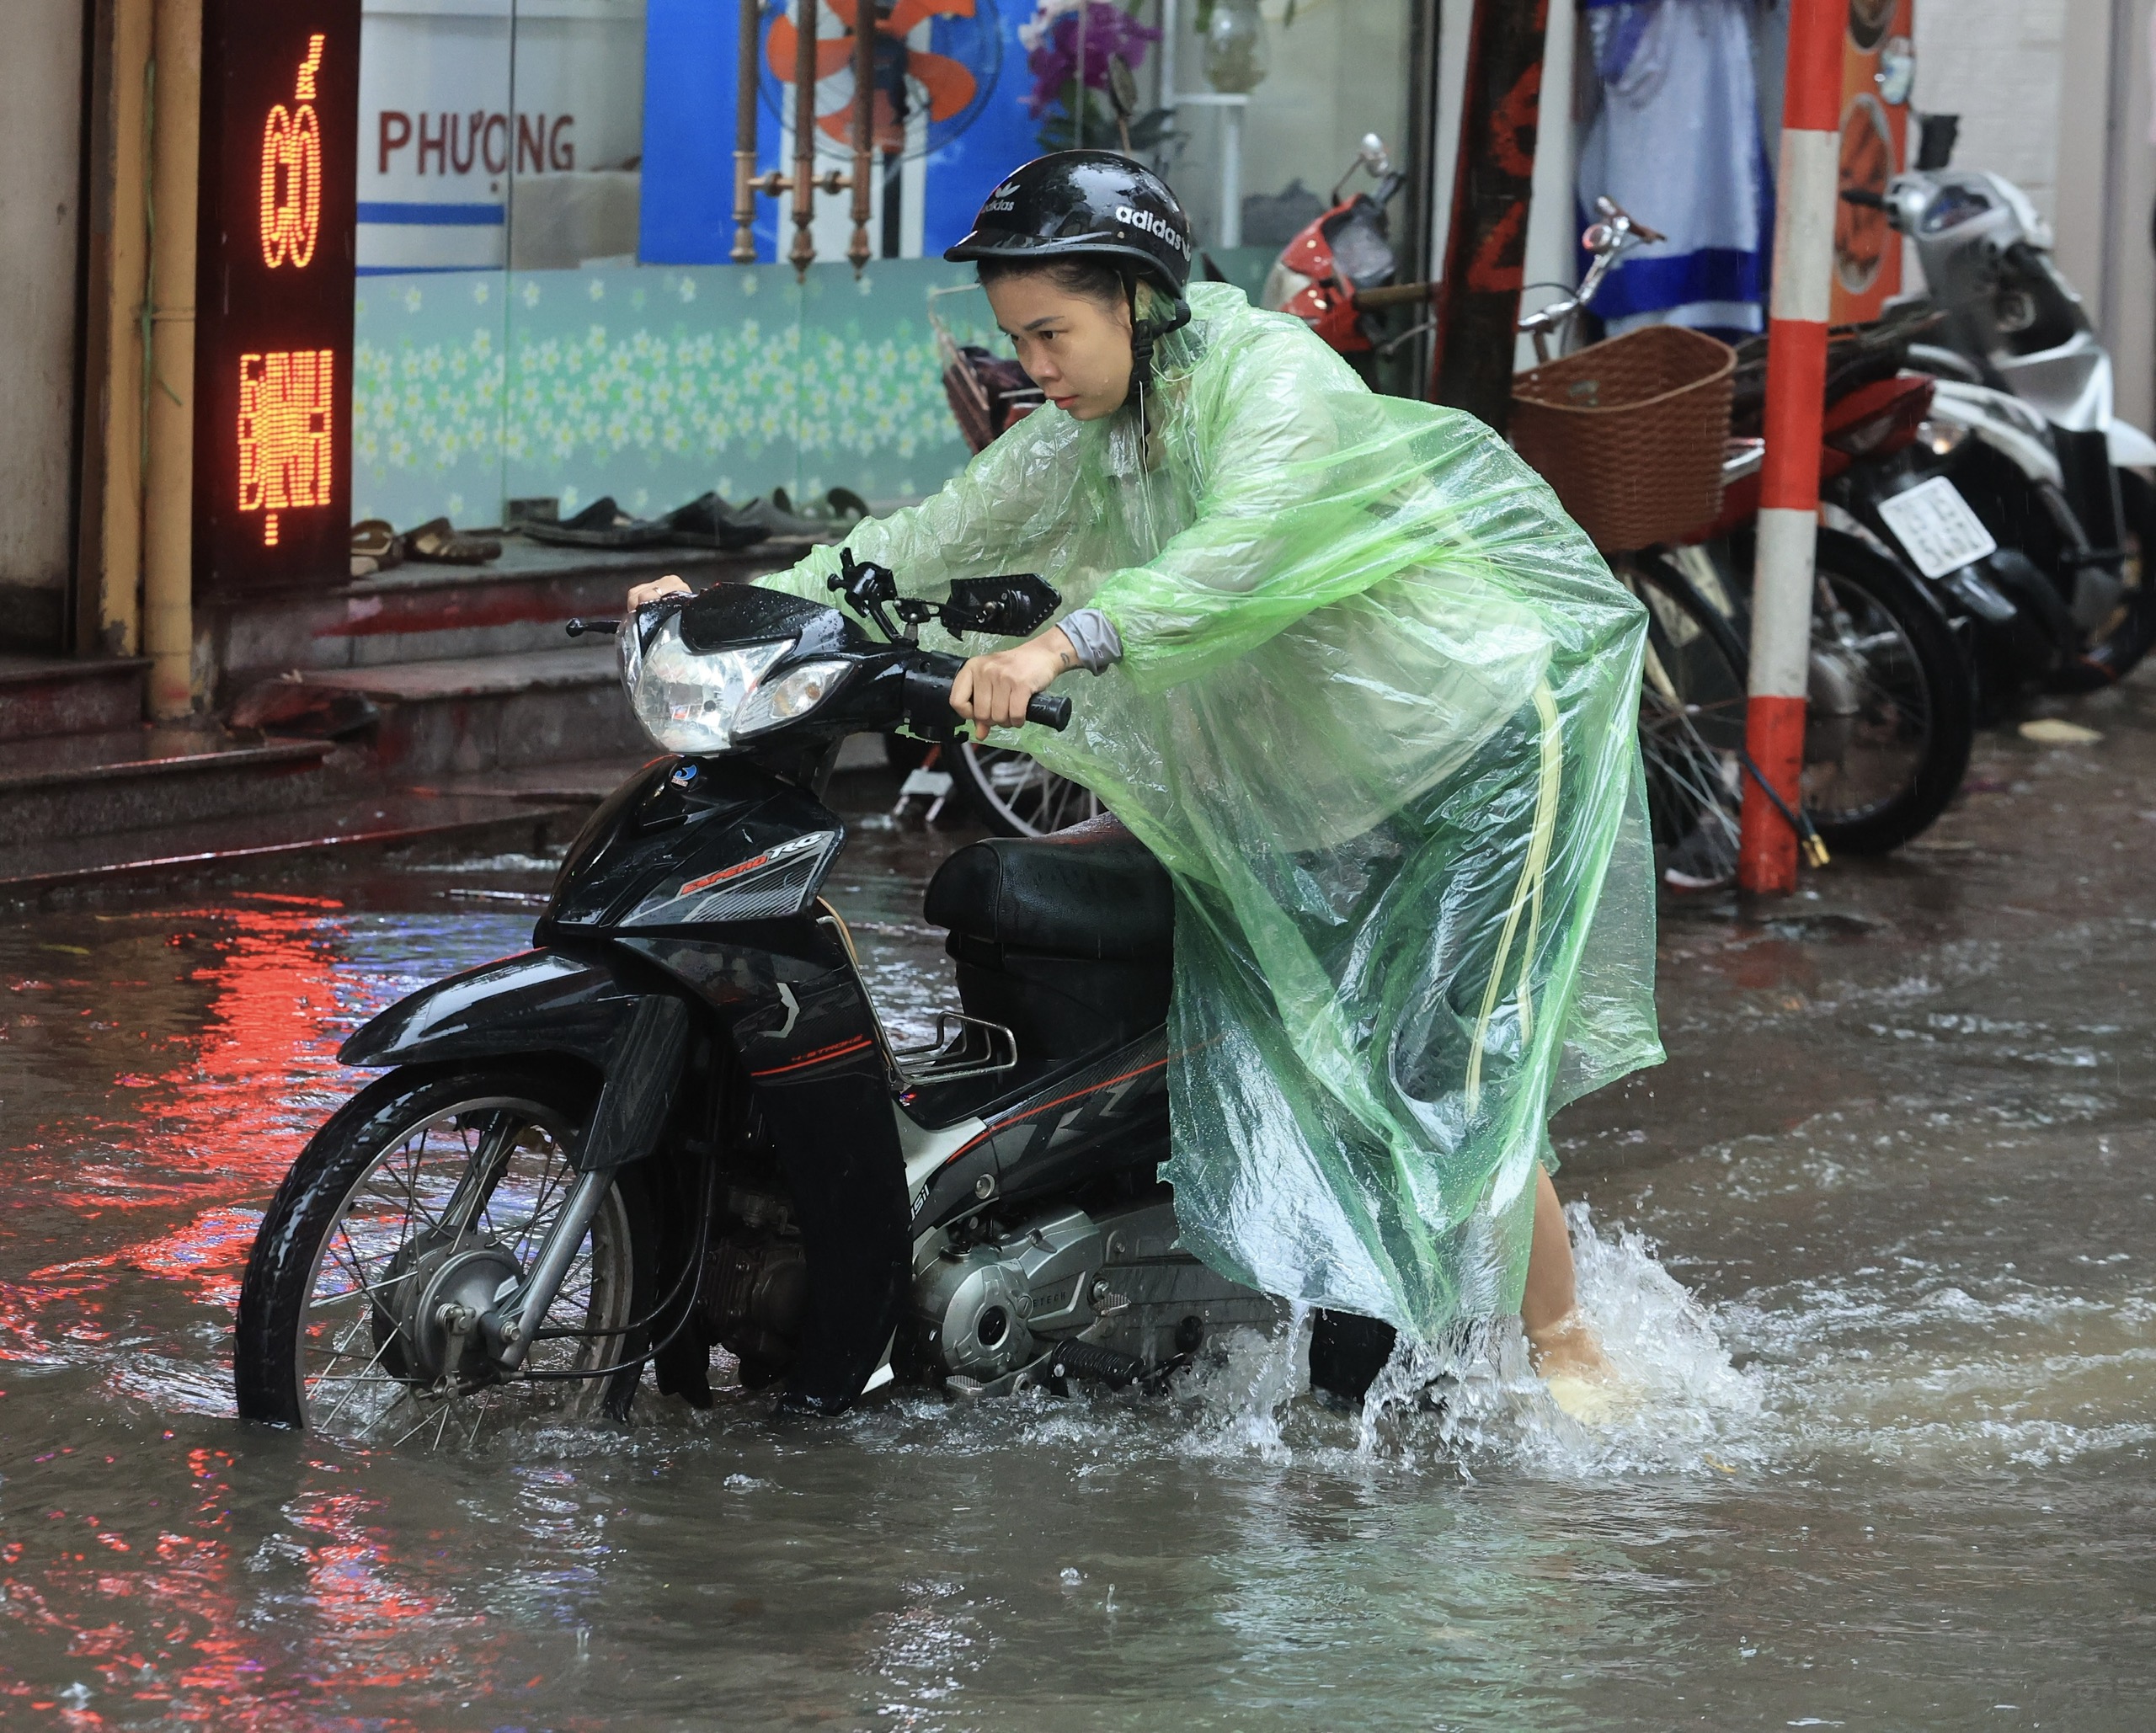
[401,819]
[417,613]
[583,783]
[460,715]
[41,696]
[587,782]
[68,786]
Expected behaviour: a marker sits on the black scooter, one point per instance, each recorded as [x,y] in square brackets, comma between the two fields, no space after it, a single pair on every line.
[678,1123]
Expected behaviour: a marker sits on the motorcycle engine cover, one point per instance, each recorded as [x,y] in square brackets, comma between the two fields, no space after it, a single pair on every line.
[1119,1281]
[977,1307]
[756,1283]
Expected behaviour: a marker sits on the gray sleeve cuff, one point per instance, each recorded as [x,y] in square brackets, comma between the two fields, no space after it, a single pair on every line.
[1093,635]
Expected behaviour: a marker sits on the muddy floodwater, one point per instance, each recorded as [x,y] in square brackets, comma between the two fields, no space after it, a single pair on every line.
[1879,1243]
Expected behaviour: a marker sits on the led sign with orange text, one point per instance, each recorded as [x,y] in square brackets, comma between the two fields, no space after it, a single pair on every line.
[274,318]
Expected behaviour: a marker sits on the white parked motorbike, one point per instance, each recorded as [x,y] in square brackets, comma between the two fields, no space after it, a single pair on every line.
[2039,534]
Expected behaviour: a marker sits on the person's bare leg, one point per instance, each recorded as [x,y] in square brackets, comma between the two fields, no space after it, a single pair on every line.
[1558,1334]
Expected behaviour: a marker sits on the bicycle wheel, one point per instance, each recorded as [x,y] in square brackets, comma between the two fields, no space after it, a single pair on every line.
[1890,709]
[1015,796]
[421,1191]
[1692,707]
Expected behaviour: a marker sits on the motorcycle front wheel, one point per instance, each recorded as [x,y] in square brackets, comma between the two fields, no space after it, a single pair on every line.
[1892,704]
[1013,794]
[423,1186]
[2117,646]
[1890,710]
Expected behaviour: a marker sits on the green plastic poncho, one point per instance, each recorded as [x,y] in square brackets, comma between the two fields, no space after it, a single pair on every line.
[1376,714]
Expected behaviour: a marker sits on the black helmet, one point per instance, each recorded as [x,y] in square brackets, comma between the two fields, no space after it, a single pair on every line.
[1087,205]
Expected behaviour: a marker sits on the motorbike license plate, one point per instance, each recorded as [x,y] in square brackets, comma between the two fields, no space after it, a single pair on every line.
[1936,528]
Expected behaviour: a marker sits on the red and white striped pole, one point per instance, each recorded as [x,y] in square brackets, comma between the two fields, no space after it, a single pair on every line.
[1807,192]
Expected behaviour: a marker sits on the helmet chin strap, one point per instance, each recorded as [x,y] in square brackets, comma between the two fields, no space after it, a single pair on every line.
[1143,334]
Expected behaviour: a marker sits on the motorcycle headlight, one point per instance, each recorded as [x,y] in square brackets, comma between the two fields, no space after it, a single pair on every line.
[686,700]
[793,695]
[1940,436]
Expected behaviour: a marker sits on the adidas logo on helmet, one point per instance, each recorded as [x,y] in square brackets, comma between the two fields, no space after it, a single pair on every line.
[1159,227]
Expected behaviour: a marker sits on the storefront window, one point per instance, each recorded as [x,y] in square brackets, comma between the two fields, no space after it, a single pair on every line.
[550,310]
[437,135]
[578,75]
[1272,100]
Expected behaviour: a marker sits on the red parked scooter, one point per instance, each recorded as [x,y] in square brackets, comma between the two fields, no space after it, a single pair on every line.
[1339,270]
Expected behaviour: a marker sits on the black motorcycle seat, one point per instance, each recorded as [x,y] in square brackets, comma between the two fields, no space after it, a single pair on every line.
[1091,891]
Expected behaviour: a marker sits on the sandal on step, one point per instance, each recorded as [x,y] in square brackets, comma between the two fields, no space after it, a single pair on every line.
[375,547]
[438,543]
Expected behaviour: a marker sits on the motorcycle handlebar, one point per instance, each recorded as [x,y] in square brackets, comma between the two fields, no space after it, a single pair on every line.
[928,684]
[928,697]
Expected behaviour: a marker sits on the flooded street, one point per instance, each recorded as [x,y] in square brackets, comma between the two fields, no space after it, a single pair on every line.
[1876,1242]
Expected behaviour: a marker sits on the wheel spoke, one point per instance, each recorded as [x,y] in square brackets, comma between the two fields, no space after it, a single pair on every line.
[361,1375]
[380,1287]
[419,1424]
[1691,723]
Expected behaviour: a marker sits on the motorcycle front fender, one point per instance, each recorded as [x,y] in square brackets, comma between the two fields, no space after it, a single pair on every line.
[538,1003]
[2129,447]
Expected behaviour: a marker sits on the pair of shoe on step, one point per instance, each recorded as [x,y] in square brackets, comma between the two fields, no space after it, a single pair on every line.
[706,522]
[376,546]
[825,520]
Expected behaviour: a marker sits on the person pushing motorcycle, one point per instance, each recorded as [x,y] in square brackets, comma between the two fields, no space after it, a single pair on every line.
[1369,695]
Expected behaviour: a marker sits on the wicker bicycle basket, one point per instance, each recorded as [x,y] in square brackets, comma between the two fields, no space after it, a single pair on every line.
[1630,432]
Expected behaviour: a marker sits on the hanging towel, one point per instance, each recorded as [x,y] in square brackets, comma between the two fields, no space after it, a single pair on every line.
[1677,143]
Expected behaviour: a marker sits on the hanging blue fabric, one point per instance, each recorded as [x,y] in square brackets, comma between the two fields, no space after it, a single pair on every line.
[1676,142]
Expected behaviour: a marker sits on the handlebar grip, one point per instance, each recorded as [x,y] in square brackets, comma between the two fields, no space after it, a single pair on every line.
[1050,711]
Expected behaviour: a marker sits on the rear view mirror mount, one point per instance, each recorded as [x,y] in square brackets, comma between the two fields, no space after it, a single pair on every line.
[1016,605]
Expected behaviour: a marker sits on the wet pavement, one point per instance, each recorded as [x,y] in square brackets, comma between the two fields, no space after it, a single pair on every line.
[1876,1244]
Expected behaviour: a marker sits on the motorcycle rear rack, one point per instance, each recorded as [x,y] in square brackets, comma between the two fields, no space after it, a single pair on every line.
[963,1046]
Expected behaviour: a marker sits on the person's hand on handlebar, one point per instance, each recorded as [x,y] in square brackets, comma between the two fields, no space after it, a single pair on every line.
[992,692]
[639,594]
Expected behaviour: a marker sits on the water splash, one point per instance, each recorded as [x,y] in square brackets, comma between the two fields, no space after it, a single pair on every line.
[1243,1391]
[1475,1400]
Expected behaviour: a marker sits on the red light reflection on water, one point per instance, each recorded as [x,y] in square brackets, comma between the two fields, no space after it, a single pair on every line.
[182,1631]
[126,1574]
[222,1123]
